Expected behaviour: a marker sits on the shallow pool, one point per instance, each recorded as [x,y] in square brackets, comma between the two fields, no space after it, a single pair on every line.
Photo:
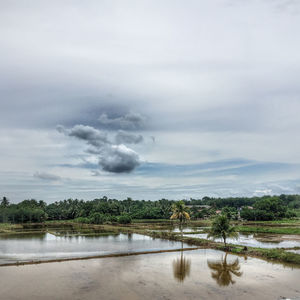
[45,246]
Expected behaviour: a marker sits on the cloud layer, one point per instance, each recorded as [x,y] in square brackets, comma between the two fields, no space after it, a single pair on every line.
[46,176]
[221,84]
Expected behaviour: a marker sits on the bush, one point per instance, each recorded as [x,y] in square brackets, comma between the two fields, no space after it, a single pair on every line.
[112,219]
[124,219]
[82,220]
[290,214]
[97,218]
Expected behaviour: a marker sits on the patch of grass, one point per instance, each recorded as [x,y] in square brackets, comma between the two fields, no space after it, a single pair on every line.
[282,222]
[277,230]
[7,227]
[152,221]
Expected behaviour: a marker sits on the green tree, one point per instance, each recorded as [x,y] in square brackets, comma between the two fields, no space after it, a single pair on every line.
[221,228]
[179,212]
[4,202]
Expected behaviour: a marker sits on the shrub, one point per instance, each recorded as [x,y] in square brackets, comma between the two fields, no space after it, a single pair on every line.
[82,220]
[97,218]
[112,219]
[124,219]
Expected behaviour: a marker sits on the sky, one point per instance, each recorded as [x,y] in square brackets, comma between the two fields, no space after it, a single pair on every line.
[149,99]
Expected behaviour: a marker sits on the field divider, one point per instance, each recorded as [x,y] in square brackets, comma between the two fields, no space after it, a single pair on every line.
[35,262]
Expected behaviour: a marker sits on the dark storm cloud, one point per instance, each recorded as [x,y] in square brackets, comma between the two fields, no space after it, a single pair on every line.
[46,176]
[123,137]
[119,159]
[130,121]
[112,158]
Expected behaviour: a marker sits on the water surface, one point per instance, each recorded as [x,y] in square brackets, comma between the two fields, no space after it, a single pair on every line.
[199,274]
[45,246]
[252,240]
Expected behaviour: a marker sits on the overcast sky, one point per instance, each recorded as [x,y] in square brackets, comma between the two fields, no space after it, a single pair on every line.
[149,99]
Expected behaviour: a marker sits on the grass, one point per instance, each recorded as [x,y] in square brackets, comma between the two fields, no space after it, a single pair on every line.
[7,228]
[152,221]
[276,230]
[282,222]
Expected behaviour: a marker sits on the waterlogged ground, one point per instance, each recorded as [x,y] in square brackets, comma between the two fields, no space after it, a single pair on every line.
[61,243]
[259,240]
[198,274]
[46,246]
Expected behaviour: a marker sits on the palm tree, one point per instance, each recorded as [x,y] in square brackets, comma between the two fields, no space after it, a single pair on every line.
[179,212]
[222,271]
[181,267]
[221,229]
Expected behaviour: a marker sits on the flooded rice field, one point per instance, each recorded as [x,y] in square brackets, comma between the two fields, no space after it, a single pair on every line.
[259,240]
[198,274]
[46,246]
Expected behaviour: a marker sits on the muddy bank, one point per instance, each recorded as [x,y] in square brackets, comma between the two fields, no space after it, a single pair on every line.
[36,262]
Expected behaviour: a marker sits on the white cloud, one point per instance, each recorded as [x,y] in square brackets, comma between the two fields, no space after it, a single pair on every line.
[223,83]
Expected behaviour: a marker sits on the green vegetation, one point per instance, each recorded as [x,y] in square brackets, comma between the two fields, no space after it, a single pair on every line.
[221,229]
[275,230]
[104,210]
[179,212]
[6,228]
[26,211]
[267,209]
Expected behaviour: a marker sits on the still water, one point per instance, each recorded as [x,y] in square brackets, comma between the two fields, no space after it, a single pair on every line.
[198,274]
[253,240]
[44,246]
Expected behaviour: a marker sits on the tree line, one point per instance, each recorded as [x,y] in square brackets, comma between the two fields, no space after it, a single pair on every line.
[103,209]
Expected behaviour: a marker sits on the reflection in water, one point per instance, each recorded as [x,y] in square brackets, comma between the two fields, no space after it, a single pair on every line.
[47,246]
[181,266]
[222,270]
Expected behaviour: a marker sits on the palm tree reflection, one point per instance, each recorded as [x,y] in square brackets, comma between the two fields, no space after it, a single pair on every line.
[222,271]
[181,267]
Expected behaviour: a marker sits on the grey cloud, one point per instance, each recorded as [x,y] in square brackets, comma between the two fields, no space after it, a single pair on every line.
[211,94]
[95,173]
[89,134]
[119,159]
[46,176]
[130,121]
[123,137]
[112,158]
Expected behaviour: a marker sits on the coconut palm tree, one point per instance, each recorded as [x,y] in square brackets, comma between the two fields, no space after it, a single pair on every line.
[179,212]
[221,229]
[222,271]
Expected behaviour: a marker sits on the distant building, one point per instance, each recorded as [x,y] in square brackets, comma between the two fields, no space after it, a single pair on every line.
[199,207]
